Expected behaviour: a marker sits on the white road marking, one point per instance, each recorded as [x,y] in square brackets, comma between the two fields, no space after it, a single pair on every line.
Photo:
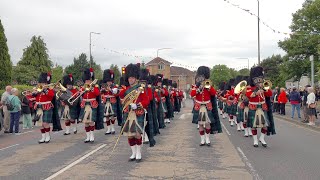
[9,147]
[251,168]
[75,162]
[225,128]
[25,132]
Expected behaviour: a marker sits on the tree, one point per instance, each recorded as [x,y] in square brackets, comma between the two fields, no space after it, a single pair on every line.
[244,72]
[80,64]
[24,74]
[57,73]
[5,62]
[117,73]
[221,73]
[271,67]
[304,41]
[36,55]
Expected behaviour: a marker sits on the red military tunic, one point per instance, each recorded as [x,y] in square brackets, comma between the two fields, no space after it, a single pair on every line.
[143,99]
[45,99]
[108,94]
[90,96]
[258,99]
[204,96]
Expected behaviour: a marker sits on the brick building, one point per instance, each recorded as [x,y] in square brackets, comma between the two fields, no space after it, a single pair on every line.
[184,77]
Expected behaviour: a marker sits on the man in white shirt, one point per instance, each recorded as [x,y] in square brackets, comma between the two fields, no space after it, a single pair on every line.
[6,113]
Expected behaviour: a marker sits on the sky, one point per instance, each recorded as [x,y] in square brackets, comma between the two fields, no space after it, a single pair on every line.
[198,32]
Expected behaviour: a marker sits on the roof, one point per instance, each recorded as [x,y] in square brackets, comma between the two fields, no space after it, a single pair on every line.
[158,60]
[176,71]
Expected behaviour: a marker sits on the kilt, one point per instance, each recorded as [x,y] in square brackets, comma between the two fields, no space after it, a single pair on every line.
[251,116]
[240,115]
[47,116]
[233,110]
[73,112]
[114,109]
[131,129]
[94,113]
[227,108]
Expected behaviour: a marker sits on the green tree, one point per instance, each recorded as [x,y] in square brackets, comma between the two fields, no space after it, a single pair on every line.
[221,73]
[244,72]
[271,67]
[5,62]
[57,73]
[117,73]
[36,55]
[80,64]
[24,74]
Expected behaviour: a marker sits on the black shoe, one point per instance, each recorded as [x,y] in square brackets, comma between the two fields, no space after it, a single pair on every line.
[7,132]
[255,145]
[66,134]
[75,132]
[41,142]
[208,144]
[264,145]
[130,160]
[138,160]
[113,132]
[107,133]
[86,141]
[202,144]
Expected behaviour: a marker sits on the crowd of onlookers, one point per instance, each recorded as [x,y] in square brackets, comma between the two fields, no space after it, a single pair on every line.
[12,106]
[305,99]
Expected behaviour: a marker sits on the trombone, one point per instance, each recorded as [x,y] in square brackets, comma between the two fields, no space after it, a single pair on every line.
[53,85]
[87,87]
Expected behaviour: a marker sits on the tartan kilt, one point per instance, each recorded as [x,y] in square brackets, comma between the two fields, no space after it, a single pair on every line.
[94,113]
[133,128]
[47,116]
[233,109]
[73,112]
[227,108]
[114,108]
[240,115]
[251,116]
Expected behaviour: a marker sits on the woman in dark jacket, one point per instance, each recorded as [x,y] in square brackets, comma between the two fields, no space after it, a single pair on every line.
[26,111]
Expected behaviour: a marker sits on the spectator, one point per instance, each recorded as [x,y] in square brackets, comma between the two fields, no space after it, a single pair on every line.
[26,111]
[15,113]
[282,100]
[6,113]
[311,102]
[295,100]
[275,100]
[304,104]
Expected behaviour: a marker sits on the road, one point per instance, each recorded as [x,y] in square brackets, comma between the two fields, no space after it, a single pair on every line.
[291,154]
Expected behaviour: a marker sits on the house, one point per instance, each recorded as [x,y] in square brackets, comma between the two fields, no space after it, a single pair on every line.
[184,77]
[304,80]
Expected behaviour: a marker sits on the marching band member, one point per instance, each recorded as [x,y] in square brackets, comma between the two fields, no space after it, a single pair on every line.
[70,112]
[170,102]
[162,106]
[135,101]
[220,97]
[44,106]
[154,103]
[204,113]
[180,98]
[258,108]
[231,103]
[89,104]
[109,93]
[247,129]
[240,98]
[175,97]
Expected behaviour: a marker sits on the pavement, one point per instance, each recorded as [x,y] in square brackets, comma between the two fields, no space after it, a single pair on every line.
[291,154]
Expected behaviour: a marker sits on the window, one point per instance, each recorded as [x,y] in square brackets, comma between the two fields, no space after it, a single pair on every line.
[161,66]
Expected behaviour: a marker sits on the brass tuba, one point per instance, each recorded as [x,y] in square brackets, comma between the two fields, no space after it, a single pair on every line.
[207,83]
[240,87]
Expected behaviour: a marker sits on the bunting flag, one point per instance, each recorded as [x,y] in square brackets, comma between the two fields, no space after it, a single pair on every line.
[268,26]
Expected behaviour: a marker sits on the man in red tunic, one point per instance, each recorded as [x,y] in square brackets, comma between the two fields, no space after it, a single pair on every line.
[44,107]
[109,93]
[258,108]
[203,106]
[134,101]
[89,104]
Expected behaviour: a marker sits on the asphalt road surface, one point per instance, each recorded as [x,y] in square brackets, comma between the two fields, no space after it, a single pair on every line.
[291,154]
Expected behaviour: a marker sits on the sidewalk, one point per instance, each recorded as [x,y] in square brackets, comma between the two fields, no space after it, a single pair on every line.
[296,120]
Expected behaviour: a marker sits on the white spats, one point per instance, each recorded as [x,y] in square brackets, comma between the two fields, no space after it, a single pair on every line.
[241,126]
[202,137]
[238,127]
[47,134]
[108,130]
[207,139]
[91,136]
[138,154]
[250,131]
[88,137]
[112,129]
[134,151]
[231,123]
[246,133]
[145,138]
[261,139]
[67,130]
[255,140]
[43,138]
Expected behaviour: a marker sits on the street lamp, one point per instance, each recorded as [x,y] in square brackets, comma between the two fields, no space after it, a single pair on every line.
[258,32]
[161,49]
[90,47]
[248,61]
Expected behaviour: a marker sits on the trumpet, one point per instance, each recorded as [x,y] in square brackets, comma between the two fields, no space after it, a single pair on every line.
[267,84]
[87,87]
[207,83]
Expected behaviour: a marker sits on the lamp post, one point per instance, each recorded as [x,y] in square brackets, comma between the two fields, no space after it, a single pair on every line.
[90,47]
[248,61]
[258,32]
[160,50]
